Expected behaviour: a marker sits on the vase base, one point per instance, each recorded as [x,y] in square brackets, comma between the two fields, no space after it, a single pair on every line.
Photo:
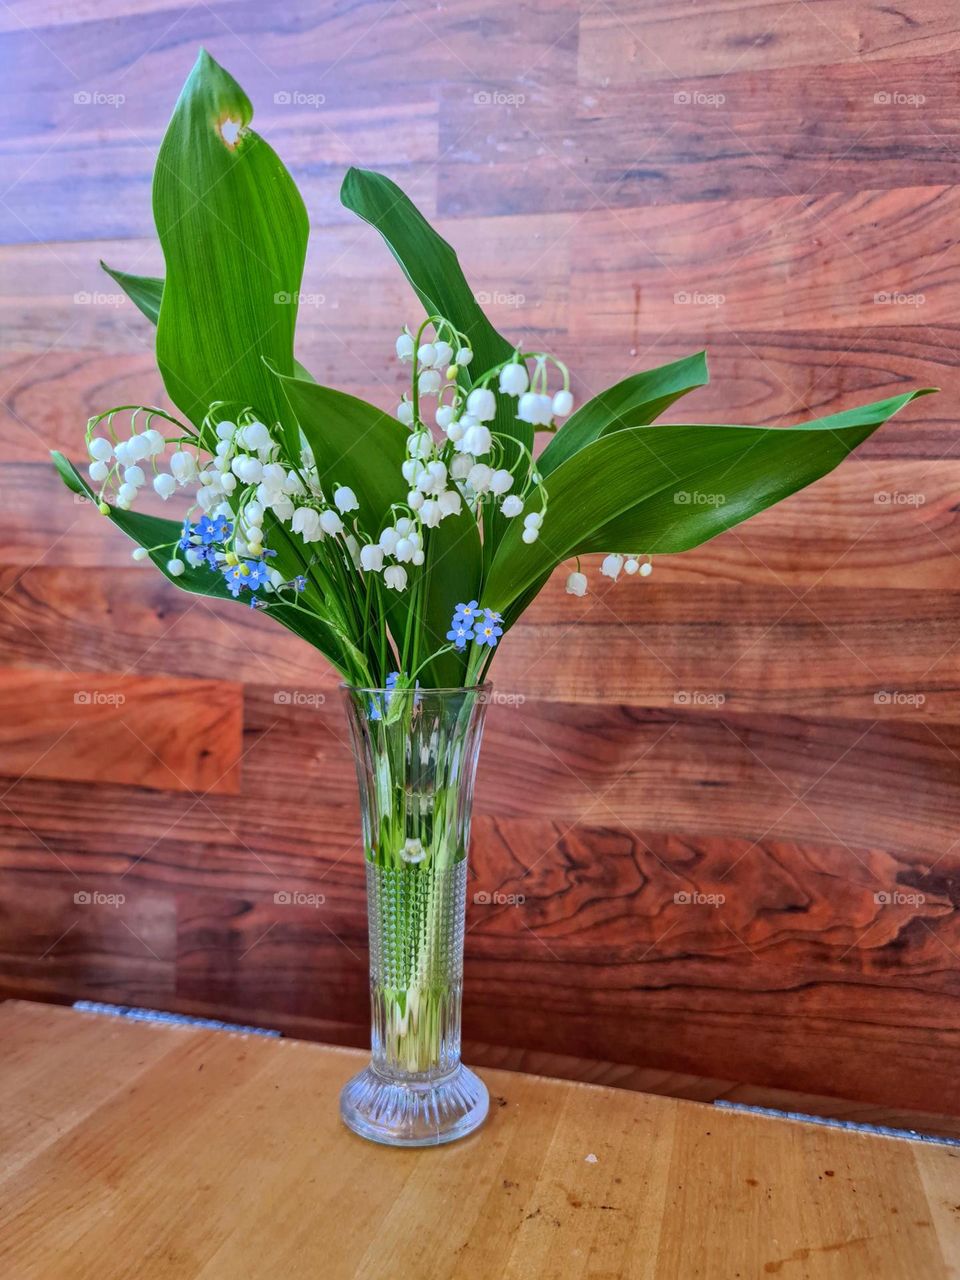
[414,1114]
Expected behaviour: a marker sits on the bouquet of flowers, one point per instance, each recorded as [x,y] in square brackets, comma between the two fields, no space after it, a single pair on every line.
[403,545]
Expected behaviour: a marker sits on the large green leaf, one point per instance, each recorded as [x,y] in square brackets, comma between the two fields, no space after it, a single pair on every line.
[634,402]
[356,444]
[158,537]
[145,292]
[234,231]
[666,489]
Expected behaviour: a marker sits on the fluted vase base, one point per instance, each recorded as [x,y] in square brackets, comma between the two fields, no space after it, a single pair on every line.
[414,1113]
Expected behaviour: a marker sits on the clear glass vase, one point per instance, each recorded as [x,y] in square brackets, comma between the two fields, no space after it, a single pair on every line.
[416,756]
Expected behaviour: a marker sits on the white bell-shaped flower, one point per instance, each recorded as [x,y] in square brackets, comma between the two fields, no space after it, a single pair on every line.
[405,412]
[388,541]
[460,466]
[306,522]
[404,550]
[533,521]
[455,432]
[395,577]
[98,472]
[631,566]
[501,482]
[463,357]
[100,449]
[430,513]
[477,441]
[175,568]
[444,416]
[420,444]
[140,553]
[256,436]
[514,379]
[577,584]
[154,441]
[344,499]
[164,485]
[428,382]
[405,348]
[371,558]
[511,506]
[330,522]
[449,502]
[183,466]
[427,355]
[225,430]
[482,403]
[562,404]
[646,569]
[530,535]
[479,477]
[611,566]
[126,494]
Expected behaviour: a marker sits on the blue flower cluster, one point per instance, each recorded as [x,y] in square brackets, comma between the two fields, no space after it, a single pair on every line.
[471,622]
[206,540]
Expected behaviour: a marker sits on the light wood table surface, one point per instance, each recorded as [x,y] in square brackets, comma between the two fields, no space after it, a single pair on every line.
[132,1150]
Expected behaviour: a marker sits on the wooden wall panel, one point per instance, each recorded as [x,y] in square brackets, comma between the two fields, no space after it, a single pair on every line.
[726,799]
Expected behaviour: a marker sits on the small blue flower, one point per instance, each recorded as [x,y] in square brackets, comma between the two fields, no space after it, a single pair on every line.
[217,529]
[465,613]
[392,678]
[460,633]
[492,616]
[258,576]
[300,583]
[488,632]
[236,578]
[186,537]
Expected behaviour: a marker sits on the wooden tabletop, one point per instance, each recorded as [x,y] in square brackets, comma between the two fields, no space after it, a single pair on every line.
[143,1150]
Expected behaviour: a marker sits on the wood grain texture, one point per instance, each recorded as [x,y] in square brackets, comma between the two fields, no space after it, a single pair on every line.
[772,719]
[148,1169]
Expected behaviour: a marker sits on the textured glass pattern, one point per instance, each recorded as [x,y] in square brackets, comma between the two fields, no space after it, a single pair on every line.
[416,756]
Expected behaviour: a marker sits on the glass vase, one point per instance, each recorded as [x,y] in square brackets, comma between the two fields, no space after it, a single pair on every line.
[416,757]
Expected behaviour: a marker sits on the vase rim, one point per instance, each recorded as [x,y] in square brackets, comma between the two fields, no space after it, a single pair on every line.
[425,691]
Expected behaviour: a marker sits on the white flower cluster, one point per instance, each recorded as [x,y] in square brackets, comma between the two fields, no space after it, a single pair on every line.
[469,460]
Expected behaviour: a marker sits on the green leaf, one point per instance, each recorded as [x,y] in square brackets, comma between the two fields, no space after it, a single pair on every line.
[145,292]
[159,536]
[667,489]
[234,231]
[634,402]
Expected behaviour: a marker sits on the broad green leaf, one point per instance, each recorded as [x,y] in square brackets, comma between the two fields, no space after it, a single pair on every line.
[431,266]
[159,536]
[145,292]
[667,489]
[634,402]
[234,231]
[358,445]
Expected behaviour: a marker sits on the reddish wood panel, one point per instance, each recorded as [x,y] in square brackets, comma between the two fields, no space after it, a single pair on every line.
[166,734]
[771,719]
